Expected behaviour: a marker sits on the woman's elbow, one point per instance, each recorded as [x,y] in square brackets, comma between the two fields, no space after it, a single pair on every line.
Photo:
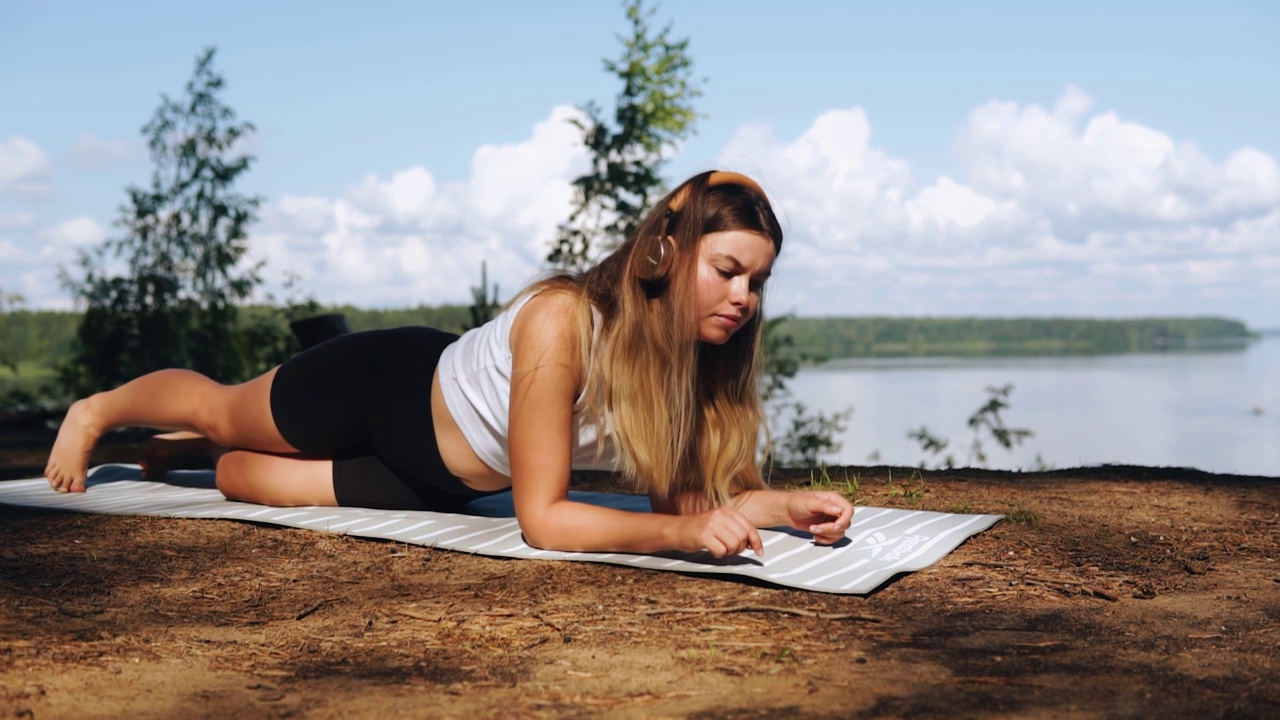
[544,535]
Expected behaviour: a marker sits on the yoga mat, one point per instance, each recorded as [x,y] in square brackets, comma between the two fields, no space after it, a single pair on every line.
[880,543]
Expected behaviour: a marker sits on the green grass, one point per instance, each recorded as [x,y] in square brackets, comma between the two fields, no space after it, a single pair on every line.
[912,493]
[848,487]
[30,377]
[1022,516]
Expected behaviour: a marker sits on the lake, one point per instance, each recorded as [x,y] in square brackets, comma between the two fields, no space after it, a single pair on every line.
[1215,410]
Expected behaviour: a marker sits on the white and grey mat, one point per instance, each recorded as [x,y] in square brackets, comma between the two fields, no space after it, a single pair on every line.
[880,544]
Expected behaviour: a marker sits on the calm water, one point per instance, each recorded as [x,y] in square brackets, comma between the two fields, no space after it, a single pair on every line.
[1216,411]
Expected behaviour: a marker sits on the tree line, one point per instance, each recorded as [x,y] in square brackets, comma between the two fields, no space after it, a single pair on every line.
[859,337]
[45,337]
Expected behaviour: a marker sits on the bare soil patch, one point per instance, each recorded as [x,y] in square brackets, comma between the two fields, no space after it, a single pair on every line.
[1116,592]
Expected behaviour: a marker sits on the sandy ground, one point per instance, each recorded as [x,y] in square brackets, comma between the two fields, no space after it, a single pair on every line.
[1113,592]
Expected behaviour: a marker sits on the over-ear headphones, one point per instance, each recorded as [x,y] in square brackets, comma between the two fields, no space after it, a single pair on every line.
[657,254]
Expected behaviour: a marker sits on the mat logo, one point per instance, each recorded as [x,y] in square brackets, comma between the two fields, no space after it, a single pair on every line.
[876,542]
[903,549]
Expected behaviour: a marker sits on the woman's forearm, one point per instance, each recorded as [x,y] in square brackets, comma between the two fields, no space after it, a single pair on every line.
[580,527]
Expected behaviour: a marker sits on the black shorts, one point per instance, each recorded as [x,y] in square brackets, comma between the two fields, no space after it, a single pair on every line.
[364,400]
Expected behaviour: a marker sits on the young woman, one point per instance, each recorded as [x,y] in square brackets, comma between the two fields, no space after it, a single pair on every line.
[646,363]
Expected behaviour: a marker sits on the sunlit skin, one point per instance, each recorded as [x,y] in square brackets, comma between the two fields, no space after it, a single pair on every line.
[732,269]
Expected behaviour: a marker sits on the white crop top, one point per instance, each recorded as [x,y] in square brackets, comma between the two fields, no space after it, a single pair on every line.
[475,376]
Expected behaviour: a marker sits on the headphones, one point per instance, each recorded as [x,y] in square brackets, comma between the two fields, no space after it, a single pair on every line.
[659,254]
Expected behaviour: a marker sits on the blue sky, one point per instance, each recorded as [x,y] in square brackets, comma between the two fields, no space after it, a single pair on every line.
[935,158]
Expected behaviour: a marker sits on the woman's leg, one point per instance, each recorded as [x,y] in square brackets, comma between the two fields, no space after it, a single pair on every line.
[229,415]
[176,450]
[276,480]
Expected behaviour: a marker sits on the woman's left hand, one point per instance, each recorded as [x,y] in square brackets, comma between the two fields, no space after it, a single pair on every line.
[825,514]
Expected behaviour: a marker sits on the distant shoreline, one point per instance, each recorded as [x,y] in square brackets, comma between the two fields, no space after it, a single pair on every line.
[41,339]
[889,337]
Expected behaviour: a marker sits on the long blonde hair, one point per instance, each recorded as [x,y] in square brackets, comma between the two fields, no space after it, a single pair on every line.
[685,415]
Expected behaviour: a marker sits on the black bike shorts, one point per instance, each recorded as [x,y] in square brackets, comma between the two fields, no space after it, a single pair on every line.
[364,400]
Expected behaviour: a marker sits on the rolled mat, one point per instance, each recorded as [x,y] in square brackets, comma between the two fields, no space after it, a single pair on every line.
[880,543]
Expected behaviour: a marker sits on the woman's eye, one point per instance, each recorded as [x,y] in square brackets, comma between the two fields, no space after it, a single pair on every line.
[726,274]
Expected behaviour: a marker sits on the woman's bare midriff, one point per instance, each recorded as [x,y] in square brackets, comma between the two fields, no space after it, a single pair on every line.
[456,452]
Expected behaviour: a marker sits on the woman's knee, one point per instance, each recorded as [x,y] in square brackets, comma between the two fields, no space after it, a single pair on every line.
[233,476]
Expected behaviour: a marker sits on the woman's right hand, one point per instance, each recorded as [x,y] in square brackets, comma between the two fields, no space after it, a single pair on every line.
[722,532]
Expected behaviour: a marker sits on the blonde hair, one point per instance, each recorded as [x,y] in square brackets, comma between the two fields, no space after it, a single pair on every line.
[685,415]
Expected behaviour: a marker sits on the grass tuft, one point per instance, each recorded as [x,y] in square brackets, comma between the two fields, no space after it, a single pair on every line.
[1022,516]
[848,486]
[913,494]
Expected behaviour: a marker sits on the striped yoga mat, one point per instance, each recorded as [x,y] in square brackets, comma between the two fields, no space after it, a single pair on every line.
[880,544]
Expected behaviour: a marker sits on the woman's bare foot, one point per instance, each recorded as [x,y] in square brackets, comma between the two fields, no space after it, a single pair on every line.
[171,451]
[69,460]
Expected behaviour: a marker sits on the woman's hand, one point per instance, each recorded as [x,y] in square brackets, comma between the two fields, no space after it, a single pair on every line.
[722,532]
[823,513]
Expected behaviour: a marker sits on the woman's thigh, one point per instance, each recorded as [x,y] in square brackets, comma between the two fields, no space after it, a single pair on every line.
[278,480]
[359,393]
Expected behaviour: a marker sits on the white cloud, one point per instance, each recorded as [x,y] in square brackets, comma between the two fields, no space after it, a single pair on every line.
[410,239]
[30,257]
[25,169]
[1066,166]
[90,153]
[1058,211]
[72,235]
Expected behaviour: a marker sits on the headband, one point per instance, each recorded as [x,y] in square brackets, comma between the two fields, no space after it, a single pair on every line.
[718,177]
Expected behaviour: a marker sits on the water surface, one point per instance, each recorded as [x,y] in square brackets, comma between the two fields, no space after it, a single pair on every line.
[1215,410]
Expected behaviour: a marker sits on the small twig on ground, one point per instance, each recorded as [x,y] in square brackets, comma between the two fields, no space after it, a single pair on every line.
[1102,594]
[767,608]
[481,613]
[1050,581]
[420,616]
[314,607]
[460,615]
[553,625]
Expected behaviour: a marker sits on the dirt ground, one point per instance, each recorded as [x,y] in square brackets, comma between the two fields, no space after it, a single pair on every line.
[1106,592]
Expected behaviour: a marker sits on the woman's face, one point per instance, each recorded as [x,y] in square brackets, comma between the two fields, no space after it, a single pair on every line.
[732,268]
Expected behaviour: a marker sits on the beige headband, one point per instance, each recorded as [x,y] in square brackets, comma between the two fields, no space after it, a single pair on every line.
[719,177]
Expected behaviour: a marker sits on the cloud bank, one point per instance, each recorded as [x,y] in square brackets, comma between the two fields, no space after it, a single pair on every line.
[1057,212]
[410,239]
[1062,210]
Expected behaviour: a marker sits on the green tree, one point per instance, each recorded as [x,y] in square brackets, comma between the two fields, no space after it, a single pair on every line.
[182,242]
[986,424]
[652,114]
[8,301]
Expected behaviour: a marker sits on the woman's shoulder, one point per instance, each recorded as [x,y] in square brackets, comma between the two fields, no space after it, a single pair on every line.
[548,315]
[553,299]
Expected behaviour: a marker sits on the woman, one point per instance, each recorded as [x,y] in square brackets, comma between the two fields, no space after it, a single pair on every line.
[646,363]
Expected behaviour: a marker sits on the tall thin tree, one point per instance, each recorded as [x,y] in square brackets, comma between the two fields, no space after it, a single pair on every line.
[652,114]
[166,291]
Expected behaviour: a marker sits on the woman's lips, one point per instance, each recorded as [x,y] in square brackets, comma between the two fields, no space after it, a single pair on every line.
[733,321]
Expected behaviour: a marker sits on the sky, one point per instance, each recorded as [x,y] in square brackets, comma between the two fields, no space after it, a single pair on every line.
[1111,159]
